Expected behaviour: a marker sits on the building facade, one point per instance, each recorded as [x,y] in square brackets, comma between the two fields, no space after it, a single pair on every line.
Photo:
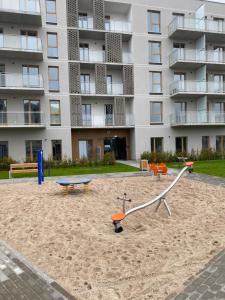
[79,78]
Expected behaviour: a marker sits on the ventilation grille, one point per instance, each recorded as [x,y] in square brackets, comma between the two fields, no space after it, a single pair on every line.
[73,45]
[113,47]
[100,79]
[99,14]
[72,13]
[74,78]
[128,80]
[119,111]
[76,111]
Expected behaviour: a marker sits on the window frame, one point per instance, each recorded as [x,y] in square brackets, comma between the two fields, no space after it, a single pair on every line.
[208,142]
[161,112]
[50,13]
[31,158]
[52,143]
[50,47]
[151,83]
[6,144]
[50,80]
[150,54]
[150,24]
[182,144]
[153,143]
[55,114]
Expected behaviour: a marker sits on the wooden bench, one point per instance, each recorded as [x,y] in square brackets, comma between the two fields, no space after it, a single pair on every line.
[23,168]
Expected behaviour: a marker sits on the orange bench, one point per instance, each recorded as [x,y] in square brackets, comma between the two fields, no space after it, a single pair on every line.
[23,168]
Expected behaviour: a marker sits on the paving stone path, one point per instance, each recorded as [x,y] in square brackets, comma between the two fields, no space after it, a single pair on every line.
[19,280]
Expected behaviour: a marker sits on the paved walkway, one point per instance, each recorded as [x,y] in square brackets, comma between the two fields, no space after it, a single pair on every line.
[19,280]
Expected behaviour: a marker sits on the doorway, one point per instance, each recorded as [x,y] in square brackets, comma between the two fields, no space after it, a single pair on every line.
[117,145]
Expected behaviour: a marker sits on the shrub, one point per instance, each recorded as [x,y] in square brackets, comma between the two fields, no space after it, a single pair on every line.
[5,163]
[109,159]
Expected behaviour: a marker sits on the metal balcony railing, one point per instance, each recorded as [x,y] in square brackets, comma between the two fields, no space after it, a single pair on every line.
[112,26]
[27,6]
[197,56]
[22,119]
[195,24]
[197,118]
[188,86]
[17,80]
[107,121]
[99,56]
[16,42]
[111,89]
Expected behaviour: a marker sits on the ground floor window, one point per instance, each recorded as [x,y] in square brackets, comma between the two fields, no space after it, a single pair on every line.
[3,149]
[181,144]
[220,143]
[32,148]
[205,143]
[85,149]
[57,149]
[157,144]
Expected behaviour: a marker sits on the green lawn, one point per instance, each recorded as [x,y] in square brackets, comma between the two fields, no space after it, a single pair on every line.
[76,171]
[209,167]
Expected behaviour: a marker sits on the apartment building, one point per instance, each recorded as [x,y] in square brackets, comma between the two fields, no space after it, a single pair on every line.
[83,77]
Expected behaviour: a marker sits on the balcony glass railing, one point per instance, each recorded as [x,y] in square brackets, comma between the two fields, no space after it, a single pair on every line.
[27,6]
[106,120]
[111,89]
[188,86]
[197,56]
[16,119]
[195,24]
[20,43]
[99,56]
[114,26]
[197,117]
[16,80]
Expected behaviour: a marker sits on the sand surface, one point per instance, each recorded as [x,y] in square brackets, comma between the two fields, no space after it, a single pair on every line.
[71,237]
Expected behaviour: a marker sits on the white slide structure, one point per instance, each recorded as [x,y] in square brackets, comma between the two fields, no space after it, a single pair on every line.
[160,198]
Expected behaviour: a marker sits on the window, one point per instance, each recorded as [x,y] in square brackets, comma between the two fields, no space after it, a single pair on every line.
[180,112]
[155,82]
[86,114]
[181,144]
[3,112]
[154,52]
[219,24]
[32,148]
[205,143]
[83,20]
[107,23]
[219,111]
[156,115]
[31,76]
[55,114]
[179,19]
[157,144]
[154,22]
[109,85]
[52,45]
[29,40]
[85,83]
[4,149]
[1,38]
[85,149]
[220,143]
[2,75]
[32,112]
[57,149]
[53,77]
[84,52]
[51,17]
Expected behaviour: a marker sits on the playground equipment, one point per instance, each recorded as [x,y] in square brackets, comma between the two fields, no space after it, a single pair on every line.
[159,169]
[69,184]
[41,176]
[117,218]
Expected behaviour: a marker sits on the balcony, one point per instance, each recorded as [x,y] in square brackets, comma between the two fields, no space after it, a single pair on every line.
[23,84]
[25,12]
[99,57]
[112,26]
[197,88]
[193,59]
[114,89]
[22,119]
[193,28]
[106,121]
[194,118]
[14,46]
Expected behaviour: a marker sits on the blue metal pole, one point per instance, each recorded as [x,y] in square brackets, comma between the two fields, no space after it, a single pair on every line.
[42,166]
[39,167]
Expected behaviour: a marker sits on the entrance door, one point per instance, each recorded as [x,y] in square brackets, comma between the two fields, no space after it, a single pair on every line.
[117,145]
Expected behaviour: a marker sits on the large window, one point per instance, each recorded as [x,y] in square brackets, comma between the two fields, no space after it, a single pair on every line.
[53,77]
[55,114]
[51,16]
[3,112]
[205,143]
[155,52]
[84,52]
[32,112]
[181,144]
[181,112]
[52,45]
[3,149]
[31,76]
[155,82]
[57,149]
[29,40]
[220,143]
[32,148]
[154,25]
[85,83]
[85,149]
[157,144]
[83,20]
[86,114]
[156,112]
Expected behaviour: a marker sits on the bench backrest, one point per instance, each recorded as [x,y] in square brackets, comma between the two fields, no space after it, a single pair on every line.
[23,166]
